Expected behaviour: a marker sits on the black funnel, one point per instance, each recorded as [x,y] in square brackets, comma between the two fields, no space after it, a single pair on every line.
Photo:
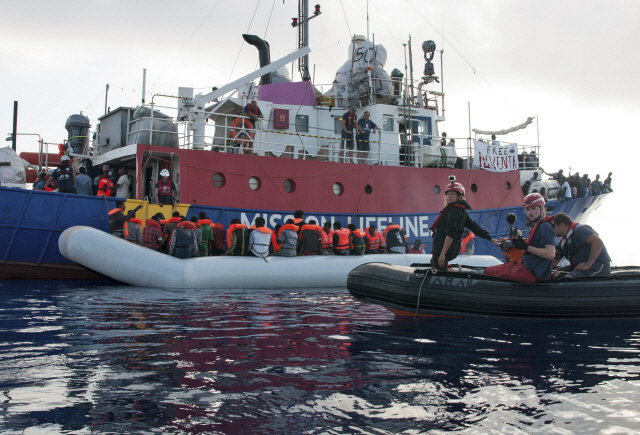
[263,51]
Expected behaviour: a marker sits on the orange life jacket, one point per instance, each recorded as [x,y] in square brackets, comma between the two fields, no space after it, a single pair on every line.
[343,238]
[360,235]
[463,247]
[288,227]
[153,223]
[164,190]
[125,229]
[231,229]
[136,220]
[187,224]
[374,241]
[386,230]
[104,187]
[327,239]
[415,251]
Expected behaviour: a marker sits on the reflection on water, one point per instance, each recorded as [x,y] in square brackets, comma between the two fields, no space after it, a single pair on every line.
[105,359]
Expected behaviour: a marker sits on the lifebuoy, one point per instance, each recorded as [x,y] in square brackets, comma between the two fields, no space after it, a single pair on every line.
[248,131]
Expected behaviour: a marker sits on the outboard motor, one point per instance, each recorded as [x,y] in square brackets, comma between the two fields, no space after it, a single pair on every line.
[78,132]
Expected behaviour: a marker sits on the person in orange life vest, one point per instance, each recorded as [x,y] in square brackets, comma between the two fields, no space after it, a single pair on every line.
[206,241]
[135,232]
[395,239]
[310,239]
[468,243]
[260,239]
[357,240]
[298,220]
[341,245]
[287,239]
[118,220]
[373,240]
[165,192]
[416,248]
[582,246]
[326,247]
[237,238]
[152,233]
[170,227]
[449,226]
[105,186]
[540,249]
[183,242]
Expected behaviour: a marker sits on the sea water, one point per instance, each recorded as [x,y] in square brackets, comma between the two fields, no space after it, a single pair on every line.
[102,358]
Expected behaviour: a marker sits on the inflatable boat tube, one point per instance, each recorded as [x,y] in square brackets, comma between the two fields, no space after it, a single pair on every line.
[410,291]
[136,265]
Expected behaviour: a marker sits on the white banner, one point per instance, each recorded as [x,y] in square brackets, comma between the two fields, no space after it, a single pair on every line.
[496,158]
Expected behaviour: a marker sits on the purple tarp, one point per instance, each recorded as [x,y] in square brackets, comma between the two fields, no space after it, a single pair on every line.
[294,93]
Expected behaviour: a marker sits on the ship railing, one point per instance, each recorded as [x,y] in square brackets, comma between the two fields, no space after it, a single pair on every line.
[165,129]
[340,96]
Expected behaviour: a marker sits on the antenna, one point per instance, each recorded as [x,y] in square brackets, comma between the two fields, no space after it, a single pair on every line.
[303,34]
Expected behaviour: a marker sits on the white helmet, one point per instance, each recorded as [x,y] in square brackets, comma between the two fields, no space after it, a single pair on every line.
[64,158]
[164,173]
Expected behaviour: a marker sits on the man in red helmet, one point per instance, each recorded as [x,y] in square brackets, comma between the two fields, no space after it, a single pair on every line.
[539,247]
[449,226]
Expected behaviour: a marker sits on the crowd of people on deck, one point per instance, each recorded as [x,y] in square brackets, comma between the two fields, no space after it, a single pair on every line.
[571,186]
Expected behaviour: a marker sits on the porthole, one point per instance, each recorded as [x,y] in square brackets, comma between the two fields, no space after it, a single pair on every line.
[289,185]
[474,188]
[436,189]
[507,185]
[368,189]
[254,183]
[219,180]
[338,189]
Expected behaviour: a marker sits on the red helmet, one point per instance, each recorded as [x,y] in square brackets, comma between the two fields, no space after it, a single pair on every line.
[455,187]
[533,200]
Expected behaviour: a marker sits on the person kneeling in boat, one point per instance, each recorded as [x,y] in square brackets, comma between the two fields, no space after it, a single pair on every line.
[449,227]
[582,246]
[395,239]
[184,243]
[539,247]
[260,239]
[118,221]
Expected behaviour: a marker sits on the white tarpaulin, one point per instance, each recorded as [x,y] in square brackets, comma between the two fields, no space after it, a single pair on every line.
[496,158]
[507,130]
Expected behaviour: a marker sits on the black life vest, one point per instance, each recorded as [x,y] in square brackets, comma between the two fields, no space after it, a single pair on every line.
[357,242]
[442,213]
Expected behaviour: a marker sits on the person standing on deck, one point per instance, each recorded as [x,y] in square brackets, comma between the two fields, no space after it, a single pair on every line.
[349,128]
[165,192]
[449,227]
[64,175]
[365,127]
[83,182]
[540,248]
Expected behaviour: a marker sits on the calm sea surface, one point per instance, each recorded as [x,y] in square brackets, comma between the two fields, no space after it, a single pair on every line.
[99,358]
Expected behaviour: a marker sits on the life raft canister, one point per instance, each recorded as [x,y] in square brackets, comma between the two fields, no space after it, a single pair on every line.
[234,133]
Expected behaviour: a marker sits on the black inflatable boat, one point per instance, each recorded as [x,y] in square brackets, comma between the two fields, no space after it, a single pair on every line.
[410,291]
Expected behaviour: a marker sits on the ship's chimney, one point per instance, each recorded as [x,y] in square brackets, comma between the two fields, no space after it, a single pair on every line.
[265,54]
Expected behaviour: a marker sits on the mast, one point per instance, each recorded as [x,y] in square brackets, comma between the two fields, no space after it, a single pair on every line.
[303,34]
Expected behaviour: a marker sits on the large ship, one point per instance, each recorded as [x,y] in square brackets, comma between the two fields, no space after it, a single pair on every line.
[229,166]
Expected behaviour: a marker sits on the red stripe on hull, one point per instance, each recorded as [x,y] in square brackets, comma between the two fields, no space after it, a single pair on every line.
[395,189]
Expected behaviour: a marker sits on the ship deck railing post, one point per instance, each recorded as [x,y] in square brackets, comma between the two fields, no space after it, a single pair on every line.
[379,147]
[151,126]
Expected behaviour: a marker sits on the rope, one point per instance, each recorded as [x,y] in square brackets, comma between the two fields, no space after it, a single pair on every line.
[363,191]
[426,272]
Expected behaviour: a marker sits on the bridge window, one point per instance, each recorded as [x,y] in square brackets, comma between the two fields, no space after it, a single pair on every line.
[337,125]
[387,123]
[302,123]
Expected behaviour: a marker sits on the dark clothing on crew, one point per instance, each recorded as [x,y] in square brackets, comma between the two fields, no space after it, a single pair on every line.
[540,266]
[64,177]
[309,242]
[576,249]
[452,224]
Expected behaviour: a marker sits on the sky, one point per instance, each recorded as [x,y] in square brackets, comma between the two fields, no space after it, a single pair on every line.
[573,65]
